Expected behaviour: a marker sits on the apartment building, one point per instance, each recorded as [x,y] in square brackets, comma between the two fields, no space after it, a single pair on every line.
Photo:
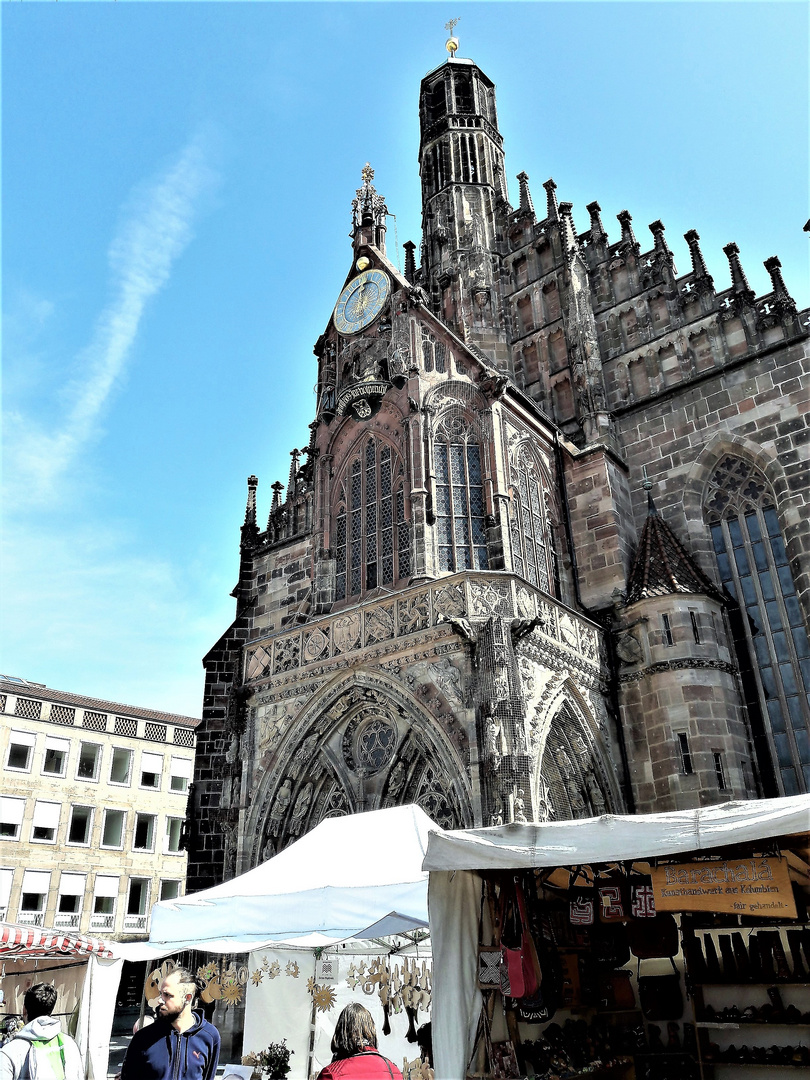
[92,810]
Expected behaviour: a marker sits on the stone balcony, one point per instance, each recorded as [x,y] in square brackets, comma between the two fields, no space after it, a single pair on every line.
[377,627]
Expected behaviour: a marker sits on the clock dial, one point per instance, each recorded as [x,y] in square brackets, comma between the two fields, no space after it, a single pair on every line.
[362,301]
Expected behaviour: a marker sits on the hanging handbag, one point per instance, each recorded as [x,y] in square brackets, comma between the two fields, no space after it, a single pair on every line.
[520,969]
[610,946]
[660,996]
[613,900]
[615,990]
[650,938]
[489,956]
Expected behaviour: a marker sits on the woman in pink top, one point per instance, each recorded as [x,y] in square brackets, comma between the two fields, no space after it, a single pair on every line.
[354,1046]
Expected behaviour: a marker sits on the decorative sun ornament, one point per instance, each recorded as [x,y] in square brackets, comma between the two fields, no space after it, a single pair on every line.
[232,993]
[274,969]
[312,986]
[324,998]
[256,977]
[292,969]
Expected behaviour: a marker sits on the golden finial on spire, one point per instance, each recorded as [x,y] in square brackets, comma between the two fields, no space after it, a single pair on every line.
[452,42]
[367,173]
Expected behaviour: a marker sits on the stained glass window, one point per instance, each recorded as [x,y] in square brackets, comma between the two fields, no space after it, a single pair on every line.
[459,504]
[372,536]
[753,566]
[532,552]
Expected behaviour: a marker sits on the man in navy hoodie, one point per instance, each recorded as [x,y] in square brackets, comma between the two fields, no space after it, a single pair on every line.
[181,1044]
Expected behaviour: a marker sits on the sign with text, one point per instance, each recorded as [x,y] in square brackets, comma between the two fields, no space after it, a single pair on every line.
[741,886]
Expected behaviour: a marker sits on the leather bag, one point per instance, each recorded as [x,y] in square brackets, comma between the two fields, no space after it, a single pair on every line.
[650,938]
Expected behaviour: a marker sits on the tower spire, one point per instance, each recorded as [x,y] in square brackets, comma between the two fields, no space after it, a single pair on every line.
[628,236]
[783,298]
[368,213]
[598,233]
[250,530]
[552,209]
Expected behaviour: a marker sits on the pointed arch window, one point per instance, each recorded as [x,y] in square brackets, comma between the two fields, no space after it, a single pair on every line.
[532,551]
[372,536]
[752,561]
[460,514]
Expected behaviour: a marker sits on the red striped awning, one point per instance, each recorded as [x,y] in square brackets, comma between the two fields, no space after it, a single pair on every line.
[41,941]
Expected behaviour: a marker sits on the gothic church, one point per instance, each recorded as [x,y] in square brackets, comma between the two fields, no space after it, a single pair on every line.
[546,553]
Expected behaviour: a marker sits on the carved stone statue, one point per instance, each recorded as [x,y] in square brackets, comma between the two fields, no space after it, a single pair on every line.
[396,781]
[301,808]
[519,808]
[280,807]
[598,803]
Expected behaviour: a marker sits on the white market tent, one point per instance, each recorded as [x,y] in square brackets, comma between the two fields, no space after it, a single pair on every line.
[455,889]
[339,881]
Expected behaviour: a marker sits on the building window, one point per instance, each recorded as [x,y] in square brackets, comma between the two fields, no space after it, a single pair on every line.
[112,835]
[695,627]
[459,507]
[434,353]
[169,890]
[6,881]
[69,904]
[105,894]
[719,770]
[34,897]
[686,755]
[89,761]
[174,831]
[181,769]
[144,839]
[56,755]
[20,751]
[81,820]
[137,916]
[372,540]
[30,710]
[151,769]
[46,822]
[753,566]
[666,631]
[532,552]
[120,766]
[11,817]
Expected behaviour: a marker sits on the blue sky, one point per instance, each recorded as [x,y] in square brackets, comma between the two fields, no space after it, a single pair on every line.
[177,181]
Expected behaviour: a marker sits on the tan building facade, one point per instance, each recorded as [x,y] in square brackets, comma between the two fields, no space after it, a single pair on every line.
[92,810]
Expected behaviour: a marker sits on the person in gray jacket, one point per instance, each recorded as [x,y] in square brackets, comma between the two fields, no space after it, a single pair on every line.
[40,1050]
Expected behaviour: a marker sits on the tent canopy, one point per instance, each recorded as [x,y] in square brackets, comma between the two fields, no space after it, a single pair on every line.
[37,942]
[614,838]
[337,881]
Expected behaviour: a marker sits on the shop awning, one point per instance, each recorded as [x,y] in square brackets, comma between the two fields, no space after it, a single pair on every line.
[38,941]
[615,838]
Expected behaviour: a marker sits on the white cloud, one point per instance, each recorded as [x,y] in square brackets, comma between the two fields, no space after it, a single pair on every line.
[154,233]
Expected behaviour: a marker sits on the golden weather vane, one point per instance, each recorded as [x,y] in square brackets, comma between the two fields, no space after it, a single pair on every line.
[452,42]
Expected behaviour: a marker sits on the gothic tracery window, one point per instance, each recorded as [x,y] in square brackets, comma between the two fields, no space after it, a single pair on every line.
[532,551]
[753,565]
[372,537]
[460,514]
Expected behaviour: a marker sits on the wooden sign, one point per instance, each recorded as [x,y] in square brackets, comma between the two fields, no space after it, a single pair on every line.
[742,886]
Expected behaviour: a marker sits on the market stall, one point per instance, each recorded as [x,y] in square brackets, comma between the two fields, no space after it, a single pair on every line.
[631,947]
[339,915]
[85,972]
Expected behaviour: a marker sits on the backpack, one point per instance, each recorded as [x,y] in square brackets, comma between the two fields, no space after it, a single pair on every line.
[46,1059]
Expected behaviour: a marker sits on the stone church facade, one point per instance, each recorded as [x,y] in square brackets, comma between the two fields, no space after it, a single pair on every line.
[546,553]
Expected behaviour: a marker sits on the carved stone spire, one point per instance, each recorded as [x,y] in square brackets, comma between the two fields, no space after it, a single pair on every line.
[526,204]
[368,213]
[781,295]
[628,236]
[410,260]
[598,233]
[739,282]
[657,229]
[696,255]
[568,230]
[552,210]
[250,529]
[278,487]
[294,457]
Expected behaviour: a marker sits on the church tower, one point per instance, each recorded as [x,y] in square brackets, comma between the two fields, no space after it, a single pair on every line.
[461,599]
[464,205]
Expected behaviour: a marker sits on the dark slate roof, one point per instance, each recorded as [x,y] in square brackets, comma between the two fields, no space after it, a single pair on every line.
[663,566]
[13,685]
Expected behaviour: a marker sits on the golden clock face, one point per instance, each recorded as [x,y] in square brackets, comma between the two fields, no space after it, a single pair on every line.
[362,301]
